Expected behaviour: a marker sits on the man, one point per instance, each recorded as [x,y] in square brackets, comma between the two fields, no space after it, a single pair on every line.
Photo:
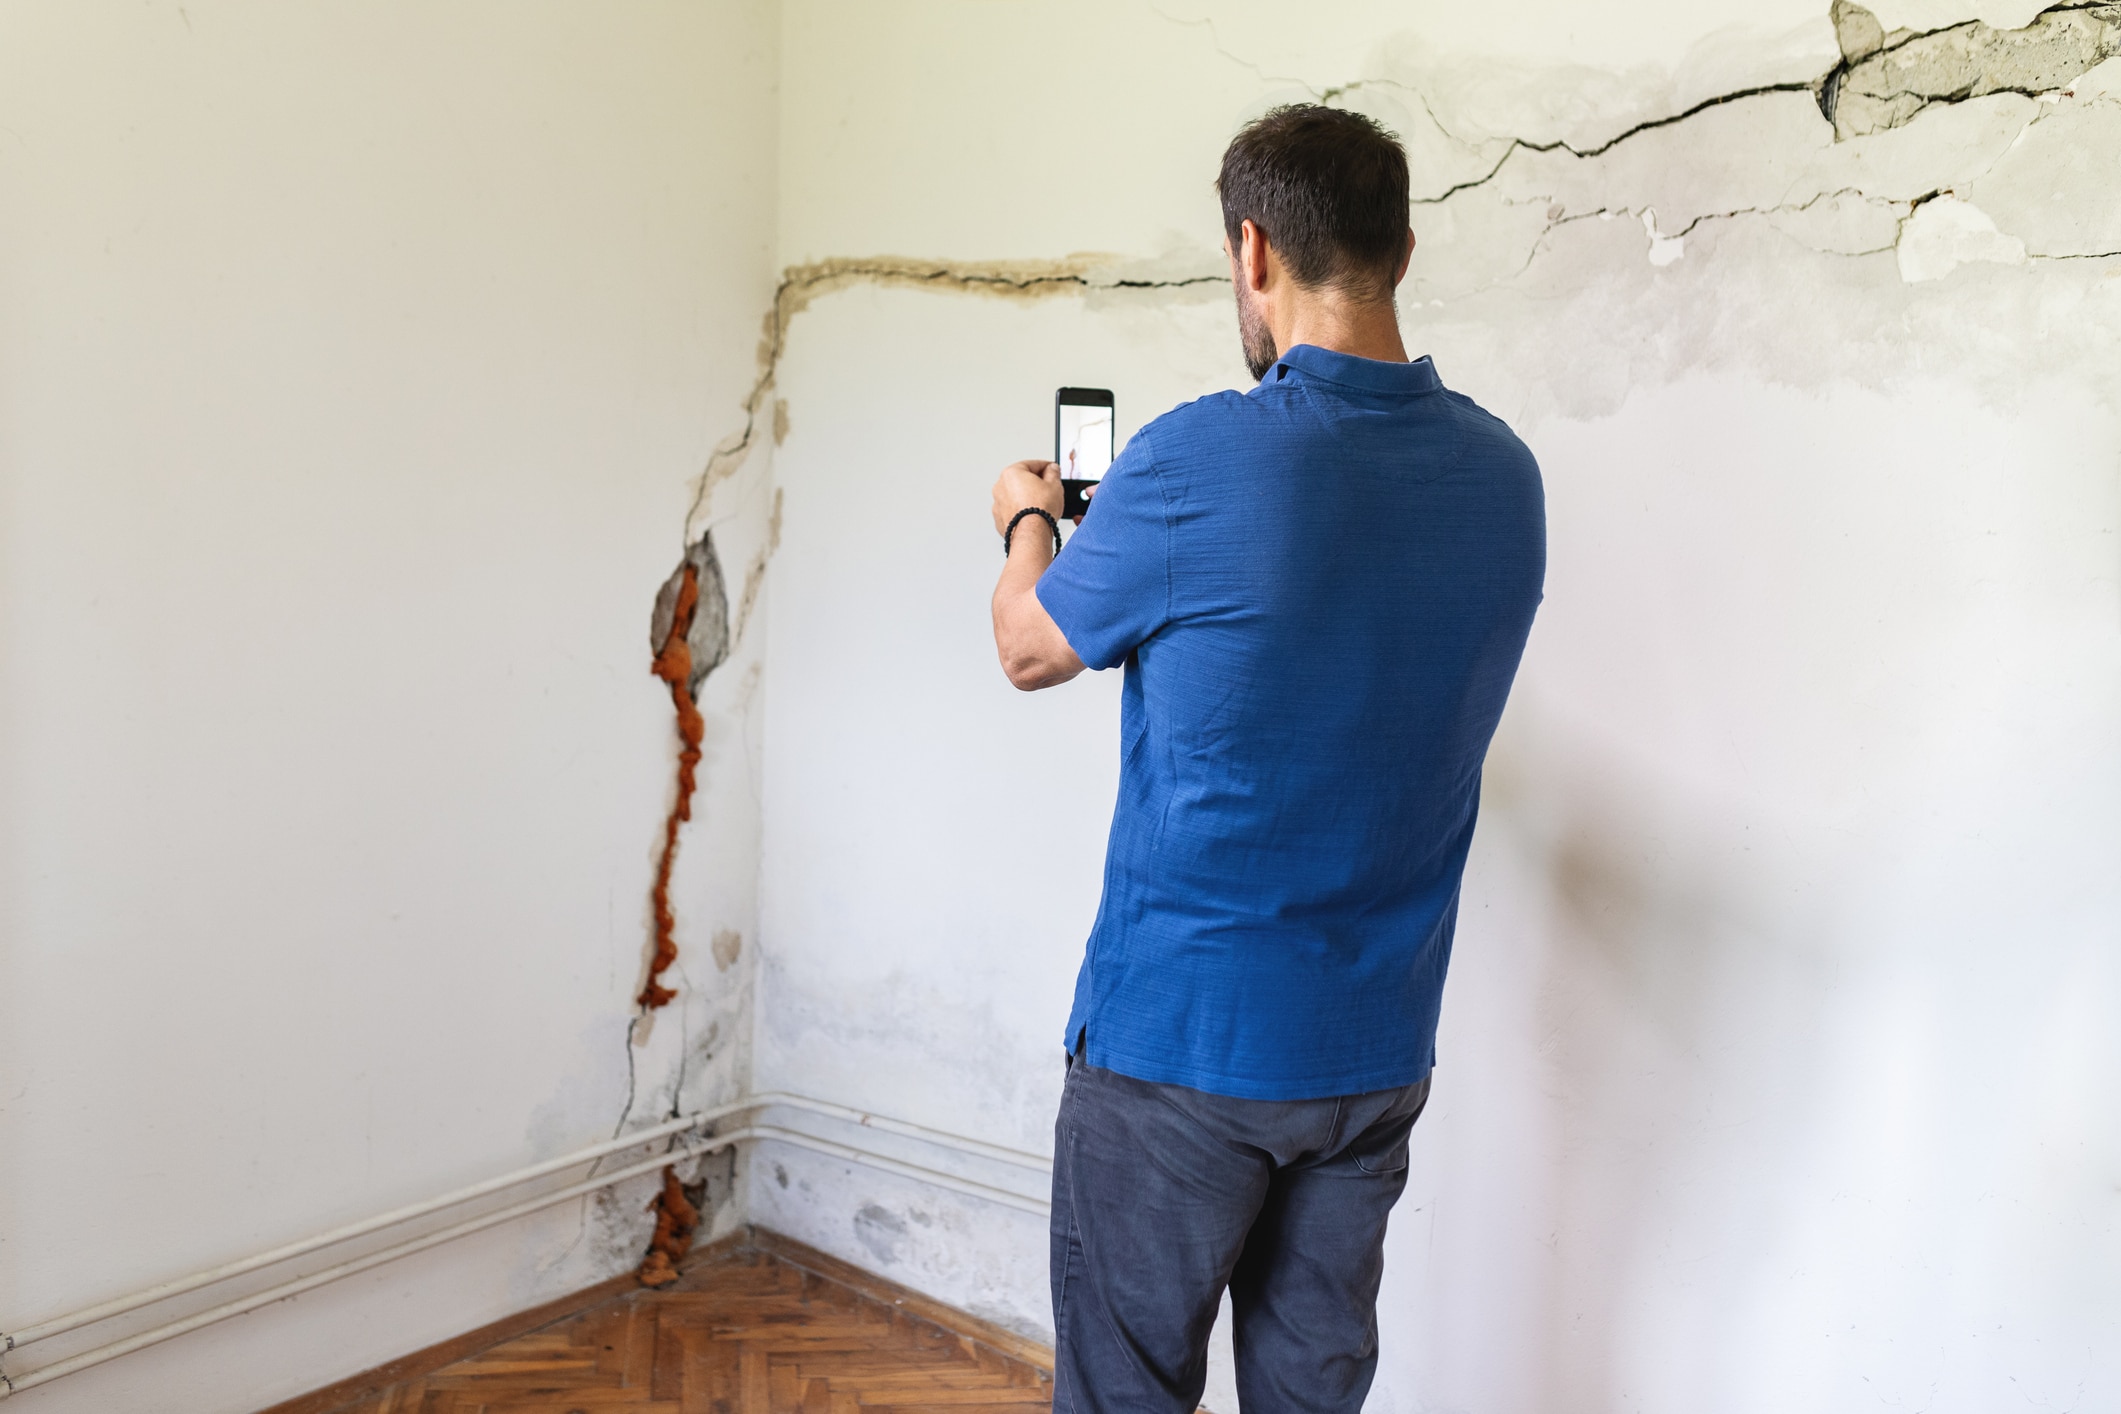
[1320,590]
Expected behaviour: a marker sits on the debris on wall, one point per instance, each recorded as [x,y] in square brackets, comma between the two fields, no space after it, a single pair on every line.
[677,1218]
[690,635]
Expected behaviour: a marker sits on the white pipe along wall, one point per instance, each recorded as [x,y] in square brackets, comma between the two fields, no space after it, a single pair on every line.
[369,371]
[677,1151]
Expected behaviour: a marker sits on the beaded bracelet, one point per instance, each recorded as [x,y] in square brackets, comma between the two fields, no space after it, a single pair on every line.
[1040,512]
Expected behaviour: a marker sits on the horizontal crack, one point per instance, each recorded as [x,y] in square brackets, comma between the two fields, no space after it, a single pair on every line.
[800,284]
[1785,209]
[2054,49]
[1559,145]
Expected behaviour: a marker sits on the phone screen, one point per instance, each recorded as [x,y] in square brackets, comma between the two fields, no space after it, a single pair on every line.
[1082,440]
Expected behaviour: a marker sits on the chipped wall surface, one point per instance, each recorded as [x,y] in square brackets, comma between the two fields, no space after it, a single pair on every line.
[357,365]
[1773,1058]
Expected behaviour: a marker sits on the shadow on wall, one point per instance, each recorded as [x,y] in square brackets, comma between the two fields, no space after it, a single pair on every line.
[1682,1001]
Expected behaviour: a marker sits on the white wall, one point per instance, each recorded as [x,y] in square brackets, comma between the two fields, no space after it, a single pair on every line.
[357,363]
[1774,1056]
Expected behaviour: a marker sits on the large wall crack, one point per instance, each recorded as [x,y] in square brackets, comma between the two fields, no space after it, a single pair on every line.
[689,633]
[1966,144]
[1885,80]
[1515,145]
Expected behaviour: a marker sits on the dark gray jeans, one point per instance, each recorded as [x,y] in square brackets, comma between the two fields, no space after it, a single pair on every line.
[1163,1196]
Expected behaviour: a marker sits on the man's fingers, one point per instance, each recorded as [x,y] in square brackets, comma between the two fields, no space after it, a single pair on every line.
[1031,482]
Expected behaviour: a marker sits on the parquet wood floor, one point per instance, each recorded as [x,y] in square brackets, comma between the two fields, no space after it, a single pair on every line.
[744,1333]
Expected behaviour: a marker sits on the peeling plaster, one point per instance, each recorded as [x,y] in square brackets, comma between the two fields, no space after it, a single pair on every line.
[2042,166]
[708,638]
[1944,234]
[1885,80]
[1837,164]
[727,947]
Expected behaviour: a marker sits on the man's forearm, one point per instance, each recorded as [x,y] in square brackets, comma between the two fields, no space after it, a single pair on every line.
[1033,650]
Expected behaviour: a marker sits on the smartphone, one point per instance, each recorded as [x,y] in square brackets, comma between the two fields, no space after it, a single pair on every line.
[1082,442]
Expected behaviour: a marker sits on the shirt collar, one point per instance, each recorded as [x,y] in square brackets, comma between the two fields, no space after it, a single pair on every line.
[1369,374]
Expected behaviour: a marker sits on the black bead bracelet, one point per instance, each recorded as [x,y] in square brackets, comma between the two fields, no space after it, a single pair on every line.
[1042,514]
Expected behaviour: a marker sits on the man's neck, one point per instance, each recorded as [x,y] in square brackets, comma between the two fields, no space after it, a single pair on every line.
[1364,330]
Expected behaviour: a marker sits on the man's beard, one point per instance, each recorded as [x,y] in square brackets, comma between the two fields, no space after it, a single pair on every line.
[1253,333]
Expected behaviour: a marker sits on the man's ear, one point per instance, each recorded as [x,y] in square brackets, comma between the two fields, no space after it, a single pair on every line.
[1252,262]
[1406,258]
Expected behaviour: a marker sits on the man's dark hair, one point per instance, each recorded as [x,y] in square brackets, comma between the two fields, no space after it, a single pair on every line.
[1329,190]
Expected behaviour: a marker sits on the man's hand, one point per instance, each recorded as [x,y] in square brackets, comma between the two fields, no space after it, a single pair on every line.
[1021,484]
[1033,650]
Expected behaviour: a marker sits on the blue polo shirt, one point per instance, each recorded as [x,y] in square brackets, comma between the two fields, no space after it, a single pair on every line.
[1320,590]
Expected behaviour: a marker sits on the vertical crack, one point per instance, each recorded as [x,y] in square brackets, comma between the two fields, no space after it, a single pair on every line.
[674,666]
[690,635]
[689,632]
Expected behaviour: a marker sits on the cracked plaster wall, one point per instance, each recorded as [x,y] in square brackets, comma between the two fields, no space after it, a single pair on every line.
[1775,1048]
[1772,1062]
[357,366]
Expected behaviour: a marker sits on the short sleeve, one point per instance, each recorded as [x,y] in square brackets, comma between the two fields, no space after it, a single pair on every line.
[1109,589]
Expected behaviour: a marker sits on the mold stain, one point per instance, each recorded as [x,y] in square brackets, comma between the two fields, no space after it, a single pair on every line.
[882,1232]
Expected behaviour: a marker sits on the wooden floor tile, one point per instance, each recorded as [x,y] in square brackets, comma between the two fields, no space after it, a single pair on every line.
[749,1333]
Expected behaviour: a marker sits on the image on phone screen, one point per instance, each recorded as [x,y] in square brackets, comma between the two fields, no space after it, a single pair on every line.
[1082,441]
